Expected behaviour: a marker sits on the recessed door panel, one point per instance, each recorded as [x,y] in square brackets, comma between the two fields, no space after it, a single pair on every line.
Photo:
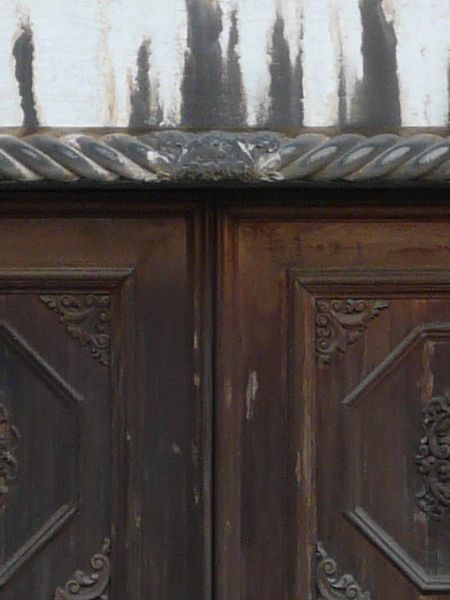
[102,457]
[333,424]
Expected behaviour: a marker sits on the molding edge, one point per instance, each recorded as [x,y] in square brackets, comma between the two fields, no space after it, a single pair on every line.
[217,156]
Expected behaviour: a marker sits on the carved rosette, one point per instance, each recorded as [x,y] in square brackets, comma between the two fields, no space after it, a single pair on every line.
[87,318]
[433,458]
[9,467]
[340,322]
[330,585]
[91,586]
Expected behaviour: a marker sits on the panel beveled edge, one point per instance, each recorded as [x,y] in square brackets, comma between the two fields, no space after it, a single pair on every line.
[378,537]
[373,283]
[71,398]
[63,279]
[426,283]
[53,525]
[435,331]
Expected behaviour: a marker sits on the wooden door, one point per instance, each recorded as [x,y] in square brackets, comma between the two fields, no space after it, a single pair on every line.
[103,438]
[333,417]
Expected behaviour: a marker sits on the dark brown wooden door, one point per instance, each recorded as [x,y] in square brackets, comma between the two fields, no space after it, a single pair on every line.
[102,429]
[329,429]
[333,414]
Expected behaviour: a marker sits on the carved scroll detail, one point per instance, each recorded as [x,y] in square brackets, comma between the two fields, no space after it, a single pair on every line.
[9,467]
[87,318]
[93,586]
[433,458]
[340,322]
[331,586]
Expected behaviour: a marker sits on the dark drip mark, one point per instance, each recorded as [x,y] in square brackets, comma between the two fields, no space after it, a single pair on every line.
[343,100]
[378,95]
[280,79]
[140,96]
[285,86]
[202,83]
[23,52]
[232,96]
[448,84]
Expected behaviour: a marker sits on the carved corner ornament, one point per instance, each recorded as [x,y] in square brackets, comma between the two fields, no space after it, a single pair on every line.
[332,586]
[93,586]
[341,322]
[87,318]
[260,156]
[9,467]
[433,458]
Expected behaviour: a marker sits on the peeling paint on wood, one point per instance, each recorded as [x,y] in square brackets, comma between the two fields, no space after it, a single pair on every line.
[250,395]
[224,63]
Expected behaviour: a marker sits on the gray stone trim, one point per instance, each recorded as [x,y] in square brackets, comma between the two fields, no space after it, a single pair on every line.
[174,156]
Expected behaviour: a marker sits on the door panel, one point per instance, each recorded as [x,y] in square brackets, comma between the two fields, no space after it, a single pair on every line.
[103,443]
[333,419]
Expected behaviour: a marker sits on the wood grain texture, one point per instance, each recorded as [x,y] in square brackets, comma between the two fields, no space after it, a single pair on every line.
[325,444]
[134,446]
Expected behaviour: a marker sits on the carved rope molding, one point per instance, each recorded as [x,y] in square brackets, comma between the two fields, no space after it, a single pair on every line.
[220,156]
[341,322]
[331,586]
[9,467]
[87,318]
[93,586]
[433,458]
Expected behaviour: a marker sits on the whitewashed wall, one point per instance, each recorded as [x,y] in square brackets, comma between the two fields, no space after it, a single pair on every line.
[224,63]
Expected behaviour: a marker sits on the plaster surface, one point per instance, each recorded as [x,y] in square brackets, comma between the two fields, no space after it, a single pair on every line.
[284,64]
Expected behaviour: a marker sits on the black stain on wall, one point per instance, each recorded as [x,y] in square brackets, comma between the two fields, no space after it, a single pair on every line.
[343,100]
[232,97]
[378,95]
[285,86]
[202,84]
[140,96]
[448,84]
[23,52]
[280,78]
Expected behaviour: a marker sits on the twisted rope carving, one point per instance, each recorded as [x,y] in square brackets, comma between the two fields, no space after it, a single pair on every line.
[217,156]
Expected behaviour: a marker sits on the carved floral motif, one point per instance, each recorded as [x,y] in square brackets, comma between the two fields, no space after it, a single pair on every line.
[87,318]
[331,586]
[433,458]
[340,322]
[93,586]
[9,440]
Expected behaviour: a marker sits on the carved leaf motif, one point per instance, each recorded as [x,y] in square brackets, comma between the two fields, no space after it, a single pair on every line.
[340,322]
[331,586]
[433,458]
[87,318]
[91,586]
[9,440]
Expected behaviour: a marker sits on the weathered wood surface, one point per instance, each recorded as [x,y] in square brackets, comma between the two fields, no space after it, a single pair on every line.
[332,421]
[104,443]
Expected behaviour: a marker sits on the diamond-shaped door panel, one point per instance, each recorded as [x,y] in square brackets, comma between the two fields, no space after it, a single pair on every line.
[386,416]
[43,433]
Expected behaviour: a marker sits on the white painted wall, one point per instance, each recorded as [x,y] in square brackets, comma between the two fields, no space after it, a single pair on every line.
[85,57]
